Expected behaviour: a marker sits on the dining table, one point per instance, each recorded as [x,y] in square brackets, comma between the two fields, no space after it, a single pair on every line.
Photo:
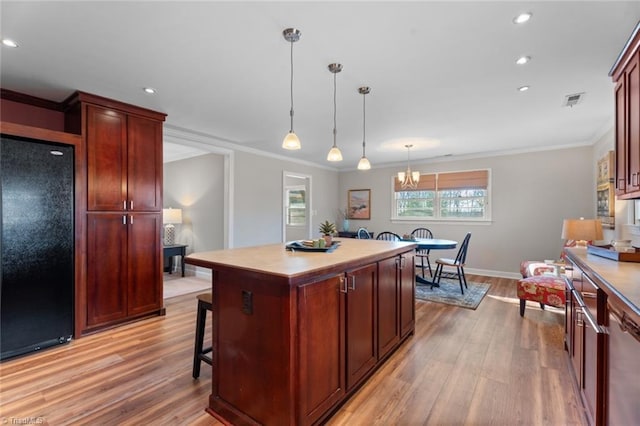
[432,244]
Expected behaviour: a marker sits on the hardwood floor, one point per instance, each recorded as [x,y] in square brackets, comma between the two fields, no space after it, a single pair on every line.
[487,366]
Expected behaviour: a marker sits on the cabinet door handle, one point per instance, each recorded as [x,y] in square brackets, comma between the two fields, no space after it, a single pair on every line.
[353,283]
[343,286]
[131,205]
[124,205]
[626,324]
[621,184]
[124,219]
[579,320]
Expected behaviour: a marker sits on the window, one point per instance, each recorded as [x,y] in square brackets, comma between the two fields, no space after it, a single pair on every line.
[445,196]
[296,206]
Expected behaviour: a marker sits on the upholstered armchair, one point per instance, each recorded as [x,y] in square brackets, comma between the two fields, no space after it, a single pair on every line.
[542,282]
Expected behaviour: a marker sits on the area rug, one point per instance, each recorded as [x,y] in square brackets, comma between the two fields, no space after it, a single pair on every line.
[178,286]
[449,293]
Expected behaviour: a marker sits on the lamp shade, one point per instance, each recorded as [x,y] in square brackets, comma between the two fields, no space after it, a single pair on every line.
[171,215]
[582,230]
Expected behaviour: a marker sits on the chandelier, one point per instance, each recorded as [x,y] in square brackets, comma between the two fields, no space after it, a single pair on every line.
[408,179]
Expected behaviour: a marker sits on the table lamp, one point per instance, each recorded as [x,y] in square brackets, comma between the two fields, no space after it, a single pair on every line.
[582,230]
[169,217]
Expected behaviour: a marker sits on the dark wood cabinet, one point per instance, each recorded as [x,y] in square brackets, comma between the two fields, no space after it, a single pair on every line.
[321,327]
[124,161]
[594,349]
[106,275]
[124,208]
[407,292]
[626,75]
[622,366]
[144,263]
[361,322]
[388,305]
[122,276]
[588,359]
[396,301]
[296,333]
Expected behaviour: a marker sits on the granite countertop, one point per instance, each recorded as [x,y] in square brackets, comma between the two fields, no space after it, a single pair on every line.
[274,259]
[620,279]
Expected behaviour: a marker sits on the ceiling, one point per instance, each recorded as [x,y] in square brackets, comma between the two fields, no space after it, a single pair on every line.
[442,74]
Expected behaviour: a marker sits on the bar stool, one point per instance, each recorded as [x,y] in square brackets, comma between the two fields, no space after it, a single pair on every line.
[200,353]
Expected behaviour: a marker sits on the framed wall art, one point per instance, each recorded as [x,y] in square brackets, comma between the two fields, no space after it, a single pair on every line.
[359,204]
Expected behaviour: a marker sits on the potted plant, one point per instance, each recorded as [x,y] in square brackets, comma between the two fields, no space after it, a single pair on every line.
[327,229]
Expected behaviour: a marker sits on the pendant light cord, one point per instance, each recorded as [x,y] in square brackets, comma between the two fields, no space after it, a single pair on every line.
[334,110]
[291,88]
[364,121]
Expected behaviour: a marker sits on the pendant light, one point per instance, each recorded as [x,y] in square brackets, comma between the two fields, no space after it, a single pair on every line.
[291,141]
[409,179]
[364,163]
[334,153]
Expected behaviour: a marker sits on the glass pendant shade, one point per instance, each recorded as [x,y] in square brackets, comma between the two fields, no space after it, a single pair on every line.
[291,141]
[364,164]
[334,154]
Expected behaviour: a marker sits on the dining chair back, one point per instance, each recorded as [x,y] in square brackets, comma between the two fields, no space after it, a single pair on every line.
[457,263]
[363,234]
[423,254]
[388,236]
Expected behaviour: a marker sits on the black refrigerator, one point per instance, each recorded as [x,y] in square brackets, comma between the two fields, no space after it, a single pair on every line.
[36,291]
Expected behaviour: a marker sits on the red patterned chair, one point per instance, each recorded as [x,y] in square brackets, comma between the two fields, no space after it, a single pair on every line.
[542,282]
[544,289]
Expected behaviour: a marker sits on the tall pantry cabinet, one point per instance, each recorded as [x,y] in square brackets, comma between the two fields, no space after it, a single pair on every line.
[123,210]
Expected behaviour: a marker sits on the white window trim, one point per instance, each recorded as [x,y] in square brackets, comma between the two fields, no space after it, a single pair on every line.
[486,220]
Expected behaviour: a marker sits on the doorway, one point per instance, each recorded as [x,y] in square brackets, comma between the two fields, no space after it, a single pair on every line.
[296,210]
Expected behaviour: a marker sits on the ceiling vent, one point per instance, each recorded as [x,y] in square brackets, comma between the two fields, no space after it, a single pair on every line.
[574,99]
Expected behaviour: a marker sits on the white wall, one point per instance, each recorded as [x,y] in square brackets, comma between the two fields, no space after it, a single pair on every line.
[234,198]
[196,185]
[258,208]
[531,194]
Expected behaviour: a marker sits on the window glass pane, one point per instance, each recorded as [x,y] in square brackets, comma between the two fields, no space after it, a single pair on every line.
[463,203]
[452,202]
[415,203]
[296,207]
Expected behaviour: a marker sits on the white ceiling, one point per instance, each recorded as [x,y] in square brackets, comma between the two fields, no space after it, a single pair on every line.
[442,74]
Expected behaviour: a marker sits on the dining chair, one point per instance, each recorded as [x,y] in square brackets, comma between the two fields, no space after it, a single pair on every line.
[423,254]
[388,236]
[363,234]
[457,263]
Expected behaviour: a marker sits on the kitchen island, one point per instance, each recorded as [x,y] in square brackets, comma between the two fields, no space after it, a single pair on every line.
[296,333]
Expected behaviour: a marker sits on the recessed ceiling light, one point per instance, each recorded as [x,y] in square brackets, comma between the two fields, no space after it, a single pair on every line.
[9,43]
[149,90]
[523,88]
[523,60]
[522,18]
